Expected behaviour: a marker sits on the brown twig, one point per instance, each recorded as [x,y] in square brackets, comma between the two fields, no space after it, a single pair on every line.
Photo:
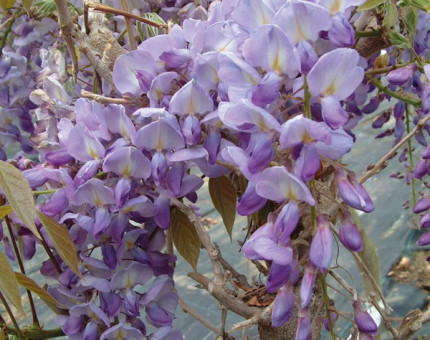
[204,239]
[66,27]
[381,164]
[414,325]
[188,309]
[108,9]
[135,101]
[128,24]
[387,321]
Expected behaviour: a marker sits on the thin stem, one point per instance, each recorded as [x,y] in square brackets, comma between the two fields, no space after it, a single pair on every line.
[35,334]
[44,192]
[188,309]
[393,94]
[12,317]
[411,160]
[22,269]
[6,33]
[50,255]
[363,34]
[129,26]
[108,9]
[384,70]
[307,99]
[327,304]
[135,101]
[382,163]
[387,322]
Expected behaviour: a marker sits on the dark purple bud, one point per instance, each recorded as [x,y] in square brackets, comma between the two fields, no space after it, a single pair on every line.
[260,150]
[349,234]
[333,317]
[307,285]
[109,255]
[371,106]
[59,157]
[341,33]
[306,56]
[303,325]
[399,129]
[8,249]
[322,245]
[28,247]
[426,100]
[399,110]
[364,321]
[422,205]
[424,240]
[401,75]
[425,220]
[381,120]
[282,307]
[278,276]
[422,168]
[352,192]
[191,130]
[426,153]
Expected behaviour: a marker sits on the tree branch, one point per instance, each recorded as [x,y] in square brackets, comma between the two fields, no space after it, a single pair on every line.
[66,27]
[414,325]
[129,26]
[135,101]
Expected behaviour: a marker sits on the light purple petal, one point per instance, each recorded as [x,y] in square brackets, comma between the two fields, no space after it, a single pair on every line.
[191,99]
[159,135]
[128,162]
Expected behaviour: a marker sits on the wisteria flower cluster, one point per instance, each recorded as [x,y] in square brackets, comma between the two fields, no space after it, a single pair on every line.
[263,94]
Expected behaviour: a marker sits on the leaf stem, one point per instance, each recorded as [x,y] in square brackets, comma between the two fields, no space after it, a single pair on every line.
[22,269]
[50,255]
[307,99]
[35,334]
[12,317]
[327,304]
[363,34]
[411,160]
[44,192]
[6,33]
[393,94]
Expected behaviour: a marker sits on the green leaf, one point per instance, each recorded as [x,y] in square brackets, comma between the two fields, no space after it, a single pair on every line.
[27,4]
[411,21]
[45,8]
[369,4]
[399,40]
[29,284]
[19,194]
[391,16]
[185,237]
[5,210]
[62,241]
[9,284]
[152,31]
[6,4]
[422,4]
[223,195]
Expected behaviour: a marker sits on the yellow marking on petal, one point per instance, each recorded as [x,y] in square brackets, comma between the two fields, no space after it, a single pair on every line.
[126,171]
[92,152]
[330,90]
[262,123]
[300,35]
[191,107]
[98,201]
[290,195]
[276,65]
[335,7]
[307,138]
[159,145]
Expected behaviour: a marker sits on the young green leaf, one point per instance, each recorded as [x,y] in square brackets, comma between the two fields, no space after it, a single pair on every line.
[411,21]
[185,237]
[6,4]
[9,284]
[399,40]
[62,241]
[223,195]
[27,4]
[19,194]
[29,284]
[391,16]
[5,210]
[152,31]
[369,4]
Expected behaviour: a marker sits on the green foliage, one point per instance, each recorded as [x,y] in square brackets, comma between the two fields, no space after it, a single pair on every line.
[62,241]
[6,4]
[9,284]
[369,4]
[19,195]
[185,237]
[411,20]
[45,8]
[391,15]
[400,41]
[5,210]
[152,31]
[223,195]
